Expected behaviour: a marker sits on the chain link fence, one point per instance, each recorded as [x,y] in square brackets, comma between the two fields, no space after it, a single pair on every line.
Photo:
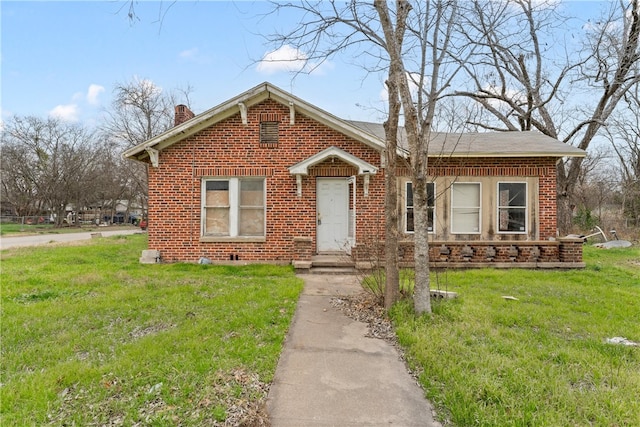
[26,220]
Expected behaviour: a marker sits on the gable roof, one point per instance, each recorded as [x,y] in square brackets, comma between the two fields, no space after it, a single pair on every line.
[244,101]
[480,144]
[485,144]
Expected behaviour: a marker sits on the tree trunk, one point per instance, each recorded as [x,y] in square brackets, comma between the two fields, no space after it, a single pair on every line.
[392,274]
[564,209]
[417,145]
[422,286]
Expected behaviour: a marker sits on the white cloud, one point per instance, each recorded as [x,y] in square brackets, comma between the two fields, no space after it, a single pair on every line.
[78,97]
[4,115]
[384,93]
[286,58]
[194,55]
[146,85]
[189,53]
[68,113]
[71,112]
[93,93]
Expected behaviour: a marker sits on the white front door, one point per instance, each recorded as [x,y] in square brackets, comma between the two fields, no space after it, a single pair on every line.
[332,214]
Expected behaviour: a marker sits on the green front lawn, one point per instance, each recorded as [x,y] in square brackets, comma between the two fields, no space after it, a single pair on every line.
[92,337]
[540,360]
[10,228]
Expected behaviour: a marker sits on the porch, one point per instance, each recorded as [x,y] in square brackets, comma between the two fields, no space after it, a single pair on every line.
[564,253]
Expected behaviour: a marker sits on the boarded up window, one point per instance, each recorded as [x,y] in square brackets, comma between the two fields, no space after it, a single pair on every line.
[234,207]
[269,134]
[251,221]
[217,222]
[216,208]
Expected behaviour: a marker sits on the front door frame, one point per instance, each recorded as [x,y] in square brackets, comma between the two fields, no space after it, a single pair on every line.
[334,211]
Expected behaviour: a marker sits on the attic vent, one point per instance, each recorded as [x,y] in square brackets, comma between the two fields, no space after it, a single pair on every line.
[269,134]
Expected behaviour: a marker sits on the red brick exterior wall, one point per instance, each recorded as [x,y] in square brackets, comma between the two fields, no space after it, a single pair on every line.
[230,148]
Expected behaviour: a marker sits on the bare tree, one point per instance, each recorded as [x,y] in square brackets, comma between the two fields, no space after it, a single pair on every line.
[624,134]
[413,41]
[593,190]
[333,28]
[523,84]
[140,110]
[18,188]
[392,272]
[426,64]
[50,162]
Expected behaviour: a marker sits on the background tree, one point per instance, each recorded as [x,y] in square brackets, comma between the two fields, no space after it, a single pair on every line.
[624,135]
[50,165]
[18,189]
[527,76]
[140,110]
[593,191]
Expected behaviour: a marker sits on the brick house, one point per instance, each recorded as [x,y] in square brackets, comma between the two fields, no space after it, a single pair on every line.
[268,177]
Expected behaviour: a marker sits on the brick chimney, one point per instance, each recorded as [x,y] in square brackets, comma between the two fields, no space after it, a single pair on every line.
[183,113]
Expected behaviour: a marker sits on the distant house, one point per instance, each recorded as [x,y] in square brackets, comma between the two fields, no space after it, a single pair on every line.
[266,176]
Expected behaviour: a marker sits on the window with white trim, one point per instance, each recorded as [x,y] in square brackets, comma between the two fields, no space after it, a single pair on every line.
[465,208]
[233,207]
[512,207]
[408,204]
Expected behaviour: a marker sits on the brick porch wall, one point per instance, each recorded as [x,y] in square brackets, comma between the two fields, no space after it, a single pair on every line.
[561,253]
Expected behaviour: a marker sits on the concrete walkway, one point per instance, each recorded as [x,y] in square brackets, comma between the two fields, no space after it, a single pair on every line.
[41,239]
[330,374]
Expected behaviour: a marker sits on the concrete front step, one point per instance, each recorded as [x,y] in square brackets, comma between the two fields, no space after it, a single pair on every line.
[326,264]
[332,270]
[341,261]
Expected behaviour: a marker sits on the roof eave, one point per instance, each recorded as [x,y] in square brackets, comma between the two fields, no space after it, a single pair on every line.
[510,155]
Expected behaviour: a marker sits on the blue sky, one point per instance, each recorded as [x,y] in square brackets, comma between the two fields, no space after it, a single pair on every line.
[64,58]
